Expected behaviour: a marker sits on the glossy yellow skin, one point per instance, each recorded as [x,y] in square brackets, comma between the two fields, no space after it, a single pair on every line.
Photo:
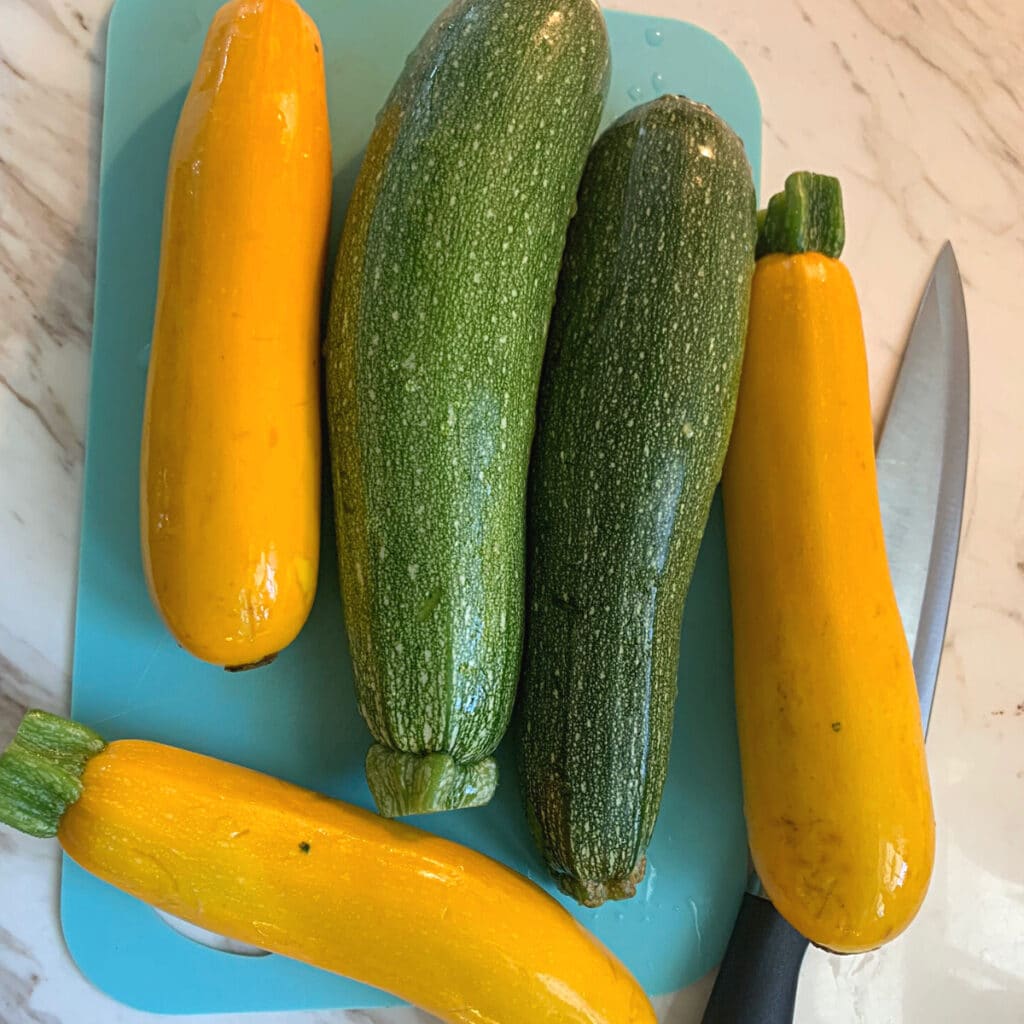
[230,469]
[836,790]
[268,863]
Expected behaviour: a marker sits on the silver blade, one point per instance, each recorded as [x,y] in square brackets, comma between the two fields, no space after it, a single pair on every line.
[922,469]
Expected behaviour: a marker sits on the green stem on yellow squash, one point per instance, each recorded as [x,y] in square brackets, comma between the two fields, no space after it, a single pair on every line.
[806,217]
[41,771]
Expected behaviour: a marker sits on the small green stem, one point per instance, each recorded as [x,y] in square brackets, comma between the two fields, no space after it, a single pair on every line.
[806,217]
[41,771]
[404,783]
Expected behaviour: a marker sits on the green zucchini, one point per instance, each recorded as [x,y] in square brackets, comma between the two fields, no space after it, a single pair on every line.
[636,406]
[443,291]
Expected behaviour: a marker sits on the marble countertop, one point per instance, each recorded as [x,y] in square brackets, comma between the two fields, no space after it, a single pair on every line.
[918,106]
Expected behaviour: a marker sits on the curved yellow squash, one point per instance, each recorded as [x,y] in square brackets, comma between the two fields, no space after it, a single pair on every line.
[836,790]
[268,863]
[230,473]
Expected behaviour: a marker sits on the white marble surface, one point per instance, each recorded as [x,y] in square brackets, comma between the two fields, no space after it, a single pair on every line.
[918,105]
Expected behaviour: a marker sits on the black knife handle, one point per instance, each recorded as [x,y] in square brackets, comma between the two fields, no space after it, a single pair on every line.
[757,981]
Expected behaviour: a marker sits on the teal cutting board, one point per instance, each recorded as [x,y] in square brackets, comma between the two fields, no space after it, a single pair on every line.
[297,718]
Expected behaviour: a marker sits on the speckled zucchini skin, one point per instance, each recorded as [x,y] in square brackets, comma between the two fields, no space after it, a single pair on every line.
[443,292]
[636,406]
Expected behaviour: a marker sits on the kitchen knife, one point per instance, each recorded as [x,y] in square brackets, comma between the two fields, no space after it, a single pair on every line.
[922,469]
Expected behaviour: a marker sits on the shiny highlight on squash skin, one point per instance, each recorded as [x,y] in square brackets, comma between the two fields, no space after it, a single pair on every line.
[230,465]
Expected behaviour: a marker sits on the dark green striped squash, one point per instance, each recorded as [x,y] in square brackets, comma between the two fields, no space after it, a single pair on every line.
[443,291]
[636,406]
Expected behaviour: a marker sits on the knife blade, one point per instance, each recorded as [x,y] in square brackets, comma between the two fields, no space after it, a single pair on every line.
[922,469]
[921,461]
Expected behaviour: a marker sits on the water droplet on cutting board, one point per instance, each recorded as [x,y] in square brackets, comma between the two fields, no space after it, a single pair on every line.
[654,37]
[636,93]
[696,925]
[658,81]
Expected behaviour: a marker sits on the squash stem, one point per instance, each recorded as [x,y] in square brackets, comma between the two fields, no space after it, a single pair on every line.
[407,783]
[41,771]
[806,217]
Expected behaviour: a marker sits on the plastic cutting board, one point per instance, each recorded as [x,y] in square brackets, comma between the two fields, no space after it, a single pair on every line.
[297,718]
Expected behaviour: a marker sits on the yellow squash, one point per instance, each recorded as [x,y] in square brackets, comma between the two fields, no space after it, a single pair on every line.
[230,469]
[835,782]
[268,863]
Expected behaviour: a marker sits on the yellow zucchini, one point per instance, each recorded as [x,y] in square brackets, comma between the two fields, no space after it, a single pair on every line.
[230,467]
[836,789]
[267,863]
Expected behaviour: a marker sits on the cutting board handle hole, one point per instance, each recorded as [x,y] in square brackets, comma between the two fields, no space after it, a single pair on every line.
[212,940]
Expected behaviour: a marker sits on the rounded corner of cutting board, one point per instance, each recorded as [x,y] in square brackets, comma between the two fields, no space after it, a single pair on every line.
[687,59]
[100,971]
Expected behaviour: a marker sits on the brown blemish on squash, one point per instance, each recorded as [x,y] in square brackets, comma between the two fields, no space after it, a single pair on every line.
[254,664]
